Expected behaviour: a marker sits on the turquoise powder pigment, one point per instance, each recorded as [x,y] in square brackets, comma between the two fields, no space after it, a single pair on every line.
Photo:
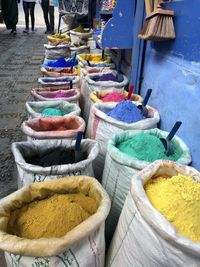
[148,147]
[50,112]
[127,112]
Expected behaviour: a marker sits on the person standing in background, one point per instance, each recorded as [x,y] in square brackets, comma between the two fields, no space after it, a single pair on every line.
[48,11]
[10,14]
[29,7]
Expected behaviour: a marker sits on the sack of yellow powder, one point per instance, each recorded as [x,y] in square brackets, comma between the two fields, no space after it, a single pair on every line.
[42,160]
[84,245]
[145,236]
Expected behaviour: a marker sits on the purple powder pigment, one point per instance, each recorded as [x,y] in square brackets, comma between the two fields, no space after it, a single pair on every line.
[127,112]
[105,77]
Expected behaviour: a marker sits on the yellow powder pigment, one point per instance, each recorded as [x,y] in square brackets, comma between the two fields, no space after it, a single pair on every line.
[178,199]
[51,217]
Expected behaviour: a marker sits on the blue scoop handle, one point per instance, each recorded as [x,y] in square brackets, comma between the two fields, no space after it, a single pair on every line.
[73,61]
[78,141]
[174,130]
[70,84]
[146,99]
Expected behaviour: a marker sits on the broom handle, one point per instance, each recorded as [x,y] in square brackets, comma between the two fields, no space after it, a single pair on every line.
[148,7]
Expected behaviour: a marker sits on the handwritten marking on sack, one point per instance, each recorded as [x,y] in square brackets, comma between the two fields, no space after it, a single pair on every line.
[94,249]
[41,178]
[15,259]
[41,262]
[68,259]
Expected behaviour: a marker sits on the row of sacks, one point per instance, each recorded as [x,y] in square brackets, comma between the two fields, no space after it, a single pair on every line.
[143,237]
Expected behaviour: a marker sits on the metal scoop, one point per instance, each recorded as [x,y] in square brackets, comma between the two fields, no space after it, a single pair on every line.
[143,108]
[167,142]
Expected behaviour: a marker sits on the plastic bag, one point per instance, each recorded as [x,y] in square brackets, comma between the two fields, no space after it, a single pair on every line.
[61,82]
[53,127]
[120,168]
[35,109]
[29,173]
[53,52]
[144,237]
[102,127]
[56,94]
[83,246]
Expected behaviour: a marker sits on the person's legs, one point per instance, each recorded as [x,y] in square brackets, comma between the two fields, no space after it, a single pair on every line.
[32,10]
[26,13]
[51,16]
[45,8]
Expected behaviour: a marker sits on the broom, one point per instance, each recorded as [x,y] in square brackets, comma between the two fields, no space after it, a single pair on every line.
[159,24]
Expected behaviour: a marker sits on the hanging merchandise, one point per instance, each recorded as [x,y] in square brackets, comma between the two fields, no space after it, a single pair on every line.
[102,127]
[96,82]
[149,233]
[51,109]
[42,160]
[53,127]
[159,24]
[127,153]
[60,82]
[108,5]
[54,94]
[74,6]
[83,246]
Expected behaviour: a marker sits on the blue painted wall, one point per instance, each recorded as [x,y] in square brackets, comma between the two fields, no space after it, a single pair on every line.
[172,70]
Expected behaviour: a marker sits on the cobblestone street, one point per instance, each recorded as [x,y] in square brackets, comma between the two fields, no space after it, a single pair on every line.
[20,57]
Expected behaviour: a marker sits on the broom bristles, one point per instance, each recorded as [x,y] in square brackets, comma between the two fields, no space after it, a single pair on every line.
[160,27]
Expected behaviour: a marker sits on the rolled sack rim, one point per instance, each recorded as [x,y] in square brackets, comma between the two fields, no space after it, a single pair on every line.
[46,246]
[123,125]
[91,145]
[37,95]
[164,228]
[123,159]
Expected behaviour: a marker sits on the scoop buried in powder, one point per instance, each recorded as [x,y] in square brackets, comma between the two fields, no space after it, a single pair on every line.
[127,112]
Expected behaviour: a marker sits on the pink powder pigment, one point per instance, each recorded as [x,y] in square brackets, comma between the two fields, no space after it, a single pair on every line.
[58,95]
[113,97]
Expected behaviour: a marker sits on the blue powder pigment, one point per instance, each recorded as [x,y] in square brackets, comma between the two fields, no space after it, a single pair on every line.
[50,112]
[60,63]
[127,112]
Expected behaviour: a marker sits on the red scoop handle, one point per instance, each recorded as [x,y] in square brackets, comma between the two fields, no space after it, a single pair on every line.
[130,91]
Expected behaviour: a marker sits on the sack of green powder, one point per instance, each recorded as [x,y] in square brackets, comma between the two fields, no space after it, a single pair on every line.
[48,109]
[120,167]
[145,237]
[89,85]
[56,94]
[42,160]
[53,127]
[83,246]
[60,82]
[102,127]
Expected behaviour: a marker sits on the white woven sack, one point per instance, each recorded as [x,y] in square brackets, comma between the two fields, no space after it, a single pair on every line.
[34,109]
[53,52]
[120,168]
[28,173]
[102,127]
[83,246]
[77,37]
[88,86]
[144,237]
[61,82]
[33,130]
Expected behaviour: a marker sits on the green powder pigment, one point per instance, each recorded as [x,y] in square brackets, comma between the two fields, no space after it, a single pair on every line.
[148,147]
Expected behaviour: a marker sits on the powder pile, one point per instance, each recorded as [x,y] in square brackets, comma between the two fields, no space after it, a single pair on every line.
[105,77]
[127,112]
[148,147]
[58,95]
[49,112]
[113,97]
[178,199]
[51,217]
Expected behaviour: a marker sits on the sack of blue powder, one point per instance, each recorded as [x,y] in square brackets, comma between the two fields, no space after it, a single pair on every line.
[126,111]
[101,127]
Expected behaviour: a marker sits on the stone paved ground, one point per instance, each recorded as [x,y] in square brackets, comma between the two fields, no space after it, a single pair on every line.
[20,60]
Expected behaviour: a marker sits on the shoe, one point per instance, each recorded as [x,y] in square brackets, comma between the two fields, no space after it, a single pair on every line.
[14,32]
[26,31]
[47,32]
[33,31]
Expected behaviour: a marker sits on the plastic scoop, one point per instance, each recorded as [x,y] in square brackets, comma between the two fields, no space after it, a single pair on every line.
[143,107]
[76,154]
[70,84]
[131,88]
[73,62]
[119,74]
[167,142]
[88,62]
